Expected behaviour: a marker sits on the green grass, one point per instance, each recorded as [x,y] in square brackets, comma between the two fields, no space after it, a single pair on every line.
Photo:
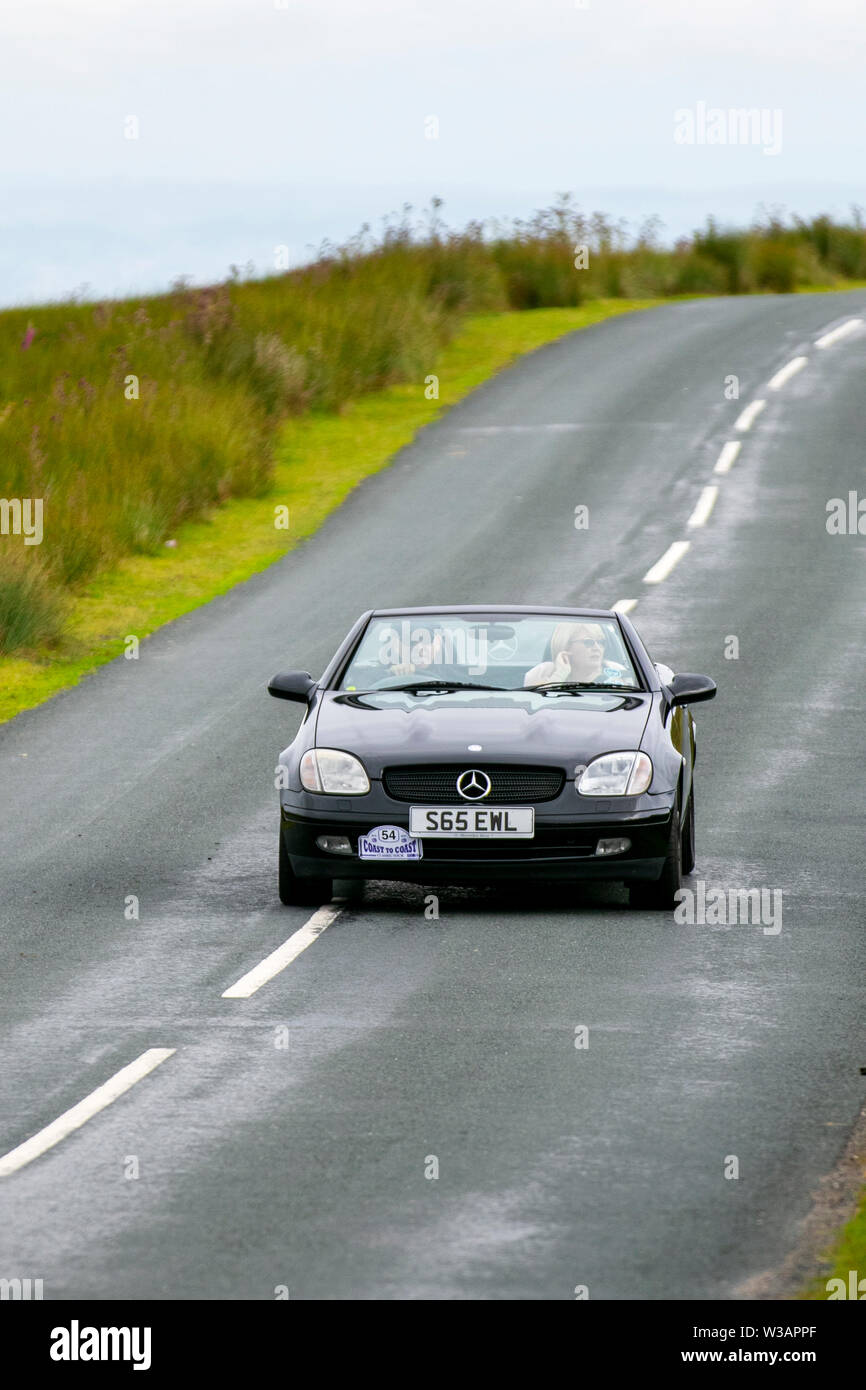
[830,289]
[318,459]
[847,1253]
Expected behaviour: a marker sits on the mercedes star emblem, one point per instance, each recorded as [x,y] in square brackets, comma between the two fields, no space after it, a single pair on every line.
[473,784]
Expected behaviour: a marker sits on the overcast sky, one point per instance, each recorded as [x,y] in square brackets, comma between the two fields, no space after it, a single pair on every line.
[283,122]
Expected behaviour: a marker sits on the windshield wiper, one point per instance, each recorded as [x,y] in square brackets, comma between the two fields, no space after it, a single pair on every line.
[445,684]
[581,685]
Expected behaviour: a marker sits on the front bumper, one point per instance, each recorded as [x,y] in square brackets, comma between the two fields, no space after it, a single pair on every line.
[563,847]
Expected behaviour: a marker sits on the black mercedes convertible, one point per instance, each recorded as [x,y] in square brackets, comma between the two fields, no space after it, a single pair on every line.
[455,745]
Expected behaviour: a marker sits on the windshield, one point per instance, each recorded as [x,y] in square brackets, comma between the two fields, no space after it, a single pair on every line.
[500,652]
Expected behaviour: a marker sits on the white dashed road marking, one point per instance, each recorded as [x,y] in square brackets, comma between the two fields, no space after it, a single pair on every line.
[747,418]
[285,954]
[624,605]
[728,455]
[790,369]
[828,339]
[706,502]
[662,568]
[85,1110]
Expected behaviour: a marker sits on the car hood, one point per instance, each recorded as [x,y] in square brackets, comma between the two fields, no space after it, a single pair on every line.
[386,730]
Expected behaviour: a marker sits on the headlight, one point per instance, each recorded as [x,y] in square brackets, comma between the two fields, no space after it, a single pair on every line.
[616,774]
[330,770]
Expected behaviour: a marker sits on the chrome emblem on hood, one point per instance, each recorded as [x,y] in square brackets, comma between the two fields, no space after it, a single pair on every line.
[473,785]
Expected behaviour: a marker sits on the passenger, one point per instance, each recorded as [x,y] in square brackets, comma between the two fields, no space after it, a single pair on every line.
[577,651]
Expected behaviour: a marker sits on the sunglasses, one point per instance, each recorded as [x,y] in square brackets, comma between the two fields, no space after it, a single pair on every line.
[587,642]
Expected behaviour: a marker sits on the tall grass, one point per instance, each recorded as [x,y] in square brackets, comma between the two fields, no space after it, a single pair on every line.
[129,417]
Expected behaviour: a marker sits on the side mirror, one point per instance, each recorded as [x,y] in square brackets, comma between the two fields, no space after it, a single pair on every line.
[292,685]
[688,690]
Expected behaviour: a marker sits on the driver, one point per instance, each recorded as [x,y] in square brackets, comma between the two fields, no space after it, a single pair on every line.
[429,662]
[577,652]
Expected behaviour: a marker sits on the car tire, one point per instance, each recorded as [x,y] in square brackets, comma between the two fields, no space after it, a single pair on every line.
[661,893]
[689,835]
[300,891]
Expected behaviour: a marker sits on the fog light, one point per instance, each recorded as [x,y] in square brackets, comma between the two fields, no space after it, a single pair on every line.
[334,844]
[607,847]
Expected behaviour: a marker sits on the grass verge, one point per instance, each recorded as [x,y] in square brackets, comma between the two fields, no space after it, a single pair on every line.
[846,1254]
[319,459]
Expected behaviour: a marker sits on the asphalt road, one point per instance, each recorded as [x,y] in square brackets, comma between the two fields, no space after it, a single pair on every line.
[304,1165]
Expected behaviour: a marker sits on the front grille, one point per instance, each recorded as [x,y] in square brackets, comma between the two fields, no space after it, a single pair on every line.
[511,785]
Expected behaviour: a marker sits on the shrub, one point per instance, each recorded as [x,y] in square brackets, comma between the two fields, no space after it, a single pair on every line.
[31,609]
[697,274]
[774,265]
[728,250]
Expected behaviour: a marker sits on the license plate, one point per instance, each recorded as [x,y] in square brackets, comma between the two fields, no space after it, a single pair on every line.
[473,822]
[389,842]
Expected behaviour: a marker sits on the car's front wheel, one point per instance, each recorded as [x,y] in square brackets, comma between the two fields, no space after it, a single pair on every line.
[302,891]
[662,892]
